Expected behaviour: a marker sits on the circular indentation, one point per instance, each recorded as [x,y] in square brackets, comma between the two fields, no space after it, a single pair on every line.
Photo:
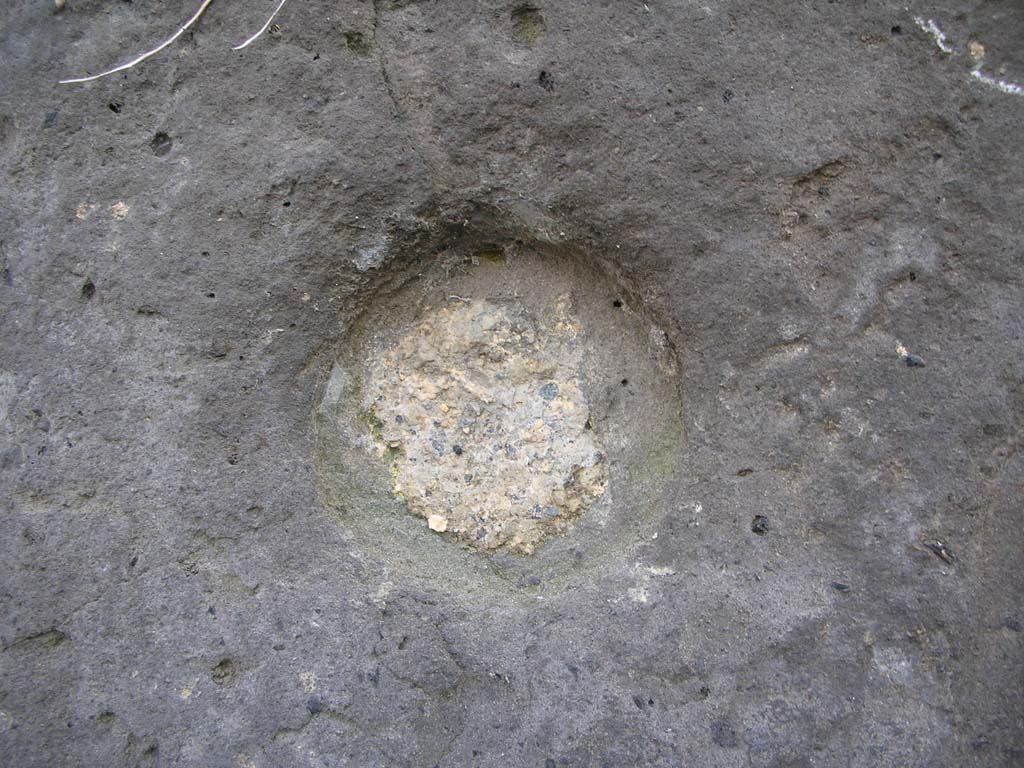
[476,429]
[161,144]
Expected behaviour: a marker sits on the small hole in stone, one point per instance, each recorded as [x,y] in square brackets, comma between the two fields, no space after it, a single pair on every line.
[286,203]
[161,144]
[897,30]
[88,290]
[624,382]
[115,107]
[211,295]
[225,673]
[617,303]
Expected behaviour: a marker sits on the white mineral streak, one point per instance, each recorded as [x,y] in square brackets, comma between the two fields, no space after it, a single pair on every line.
[930,27]
[1003,85]
[480,410]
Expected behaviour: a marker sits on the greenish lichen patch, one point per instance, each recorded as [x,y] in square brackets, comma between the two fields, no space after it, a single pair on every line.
[528,24]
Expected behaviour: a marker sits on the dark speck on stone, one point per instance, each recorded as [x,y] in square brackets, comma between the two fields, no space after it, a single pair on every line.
[913,361]
[549,391]
[838,586]
[457,450]
[759,525]
[314,705]
[728,95]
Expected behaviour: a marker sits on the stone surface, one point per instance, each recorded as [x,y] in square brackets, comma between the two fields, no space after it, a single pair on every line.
[795,190]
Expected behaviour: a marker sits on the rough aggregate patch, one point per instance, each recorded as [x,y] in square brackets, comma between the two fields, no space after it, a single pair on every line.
[480,409]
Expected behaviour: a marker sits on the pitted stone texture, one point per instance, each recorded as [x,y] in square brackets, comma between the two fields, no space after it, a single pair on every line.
[480,410]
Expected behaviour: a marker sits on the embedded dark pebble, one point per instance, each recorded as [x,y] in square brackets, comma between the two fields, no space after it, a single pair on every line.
[941,551]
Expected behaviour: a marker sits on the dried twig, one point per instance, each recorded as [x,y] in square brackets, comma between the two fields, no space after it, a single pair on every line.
[262,29]
[171,39]
[147,54]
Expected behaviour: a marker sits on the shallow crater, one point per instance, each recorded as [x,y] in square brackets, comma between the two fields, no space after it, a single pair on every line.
[500,413]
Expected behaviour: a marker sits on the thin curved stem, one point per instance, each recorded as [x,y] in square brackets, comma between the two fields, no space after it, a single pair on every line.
[262,29]
[147,54]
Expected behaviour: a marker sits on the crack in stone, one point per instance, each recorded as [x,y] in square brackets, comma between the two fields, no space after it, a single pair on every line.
[389,87]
